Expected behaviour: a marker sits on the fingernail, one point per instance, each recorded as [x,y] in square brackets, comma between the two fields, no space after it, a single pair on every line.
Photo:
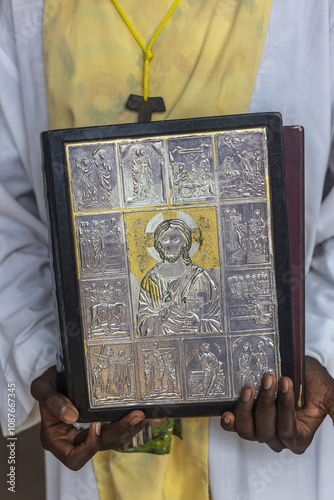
[226,420]
[246,395]
[267,381]
[69,414]
[284,385]
[135,420]
[98,428]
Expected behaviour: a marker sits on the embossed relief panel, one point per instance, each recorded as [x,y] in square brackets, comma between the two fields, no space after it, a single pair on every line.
[250,298]
[100,244]
[93,177]
[243,160]
[207,373]
[105,307]
[246,234]
[111,374]
[159,370]
[191,162]
[142,165]
[252,356]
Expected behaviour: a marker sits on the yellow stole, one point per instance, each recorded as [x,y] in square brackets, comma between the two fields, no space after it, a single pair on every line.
[205,63]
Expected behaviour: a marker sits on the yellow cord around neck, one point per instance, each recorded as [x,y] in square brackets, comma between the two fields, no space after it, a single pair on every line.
[147,50]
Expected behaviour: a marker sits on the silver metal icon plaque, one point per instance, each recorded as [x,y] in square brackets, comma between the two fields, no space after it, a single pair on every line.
[174,252]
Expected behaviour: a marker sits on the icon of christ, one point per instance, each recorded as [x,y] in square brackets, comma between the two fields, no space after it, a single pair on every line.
[176,296]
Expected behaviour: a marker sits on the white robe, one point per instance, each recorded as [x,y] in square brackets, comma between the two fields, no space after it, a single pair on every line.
[295,78]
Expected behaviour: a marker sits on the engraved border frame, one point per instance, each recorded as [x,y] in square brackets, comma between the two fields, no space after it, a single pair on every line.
[71,366]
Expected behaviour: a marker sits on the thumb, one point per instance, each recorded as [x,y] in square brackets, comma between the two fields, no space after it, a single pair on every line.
[228,421]
[44,390]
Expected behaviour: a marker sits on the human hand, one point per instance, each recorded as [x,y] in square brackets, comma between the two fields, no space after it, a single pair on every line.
[278,423]
[71,446]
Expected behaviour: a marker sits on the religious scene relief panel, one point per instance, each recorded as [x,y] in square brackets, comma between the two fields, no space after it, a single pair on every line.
[100,241]
[252,356]
[112,374]
[246,234]
[206,368]
[142,166]
[251,304]
[105,308]
[159,370]
[191,163]
[242,159]
[93,177]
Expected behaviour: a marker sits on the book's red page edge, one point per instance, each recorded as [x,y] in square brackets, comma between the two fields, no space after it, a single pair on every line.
[294,172]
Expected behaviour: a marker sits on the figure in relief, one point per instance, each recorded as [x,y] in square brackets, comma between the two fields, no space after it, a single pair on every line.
[257,238]
[262,365]
[142,177]
[245,162]
[115,231]
[171,372]
[84,245]
[97,376]
[181,182]
[123,381]
[245,373]
[97,241]
[159,365]
[89,191]
[148,373]
[176,296]
[210,367]
[260,316]
[208,378]
[160,375]
[236,232]
[111,366]
[229,172]
[104,172]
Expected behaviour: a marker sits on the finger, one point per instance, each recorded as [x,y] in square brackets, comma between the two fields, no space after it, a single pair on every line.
[286,422]
[117,434]
[75,457]
[244,422]
[43,389]
[132,419]
[265,412]
[228,421]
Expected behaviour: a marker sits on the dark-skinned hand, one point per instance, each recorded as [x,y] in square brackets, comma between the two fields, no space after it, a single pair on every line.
[276,422]
[71,446]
